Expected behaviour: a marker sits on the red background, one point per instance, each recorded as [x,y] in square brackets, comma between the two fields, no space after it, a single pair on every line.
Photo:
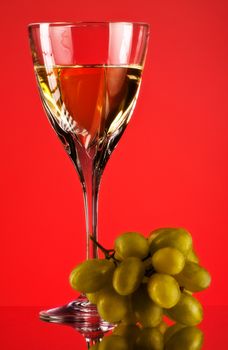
[169,169]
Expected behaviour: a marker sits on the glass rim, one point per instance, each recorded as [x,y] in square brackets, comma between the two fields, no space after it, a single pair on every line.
[87,23]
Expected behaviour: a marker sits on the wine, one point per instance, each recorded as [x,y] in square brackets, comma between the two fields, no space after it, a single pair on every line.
[91,103]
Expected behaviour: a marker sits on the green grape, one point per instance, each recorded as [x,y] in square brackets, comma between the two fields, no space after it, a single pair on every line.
[193,277]
[91,275]
[114,342]
[150,339]
[192,256]
[112,307]
[131,244]
[153,234]
[168,260]
[93,297]
[177,238]
[187,311]
[188,338]
[146,311]
[172,330]
[163,290]
[131,333]
[128,276]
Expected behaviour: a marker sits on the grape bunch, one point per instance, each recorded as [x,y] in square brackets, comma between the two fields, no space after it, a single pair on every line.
[142,280]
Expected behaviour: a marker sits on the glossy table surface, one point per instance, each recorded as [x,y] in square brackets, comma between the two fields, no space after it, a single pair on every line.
[21,329]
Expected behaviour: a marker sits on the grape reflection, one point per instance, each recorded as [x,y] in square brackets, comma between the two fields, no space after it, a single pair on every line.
[175,337]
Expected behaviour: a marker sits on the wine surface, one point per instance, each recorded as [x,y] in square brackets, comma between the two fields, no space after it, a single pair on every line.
[91,103]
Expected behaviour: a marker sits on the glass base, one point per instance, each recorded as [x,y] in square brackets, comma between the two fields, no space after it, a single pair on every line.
[79,314]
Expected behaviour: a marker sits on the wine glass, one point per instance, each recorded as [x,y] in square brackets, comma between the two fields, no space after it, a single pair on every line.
[88,74]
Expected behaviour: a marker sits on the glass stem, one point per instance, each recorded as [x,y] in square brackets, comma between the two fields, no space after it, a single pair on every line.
[90,187]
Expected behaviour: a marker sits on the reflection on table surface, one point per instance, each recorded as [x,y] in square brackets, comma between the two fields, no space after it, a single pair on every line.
[21,328]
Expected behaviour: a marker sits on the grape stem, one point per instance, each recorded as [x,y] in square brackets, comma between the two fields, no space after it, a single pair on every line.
[147,257]
[109,253]
[149,272]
